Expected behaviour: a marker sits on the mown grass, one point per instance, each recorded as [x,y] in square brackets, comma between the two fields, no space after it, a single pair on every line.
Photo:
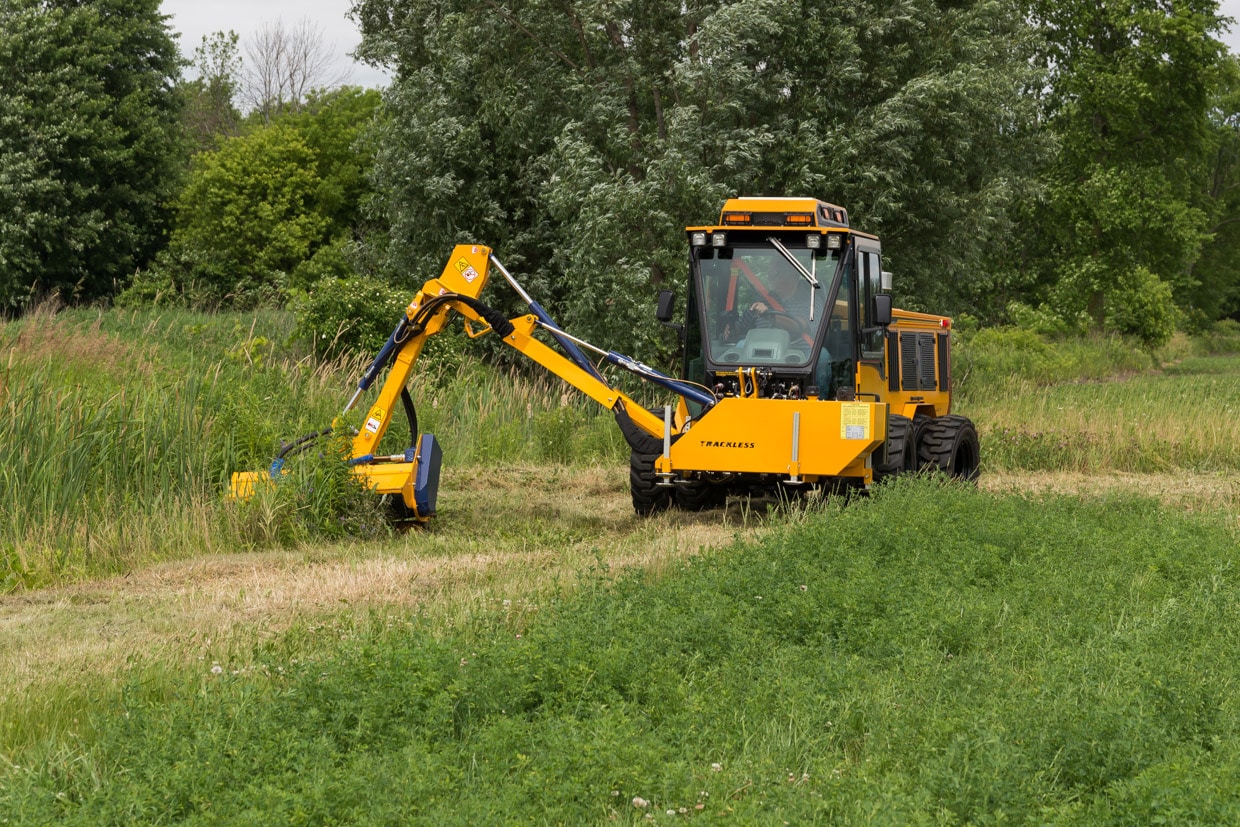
[934,654]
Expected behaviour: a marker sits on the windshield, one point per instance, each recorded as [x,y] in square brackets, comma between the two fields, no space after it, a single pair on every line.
[757,306]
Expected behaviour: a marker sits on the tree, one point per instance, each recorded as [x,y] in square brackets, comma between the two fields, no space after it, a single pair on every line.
[580,137]
[89,143]
[285,65]
[256,210]
[1214,290]
[1130,93]
[211,110]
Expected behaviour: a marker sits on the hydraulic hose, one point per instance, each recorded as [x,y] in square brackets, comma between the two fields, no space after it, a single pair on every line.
[411,413]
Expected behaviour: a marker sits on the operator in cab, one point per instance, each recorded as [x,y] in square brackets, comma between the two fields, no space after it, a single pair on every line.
[790,296]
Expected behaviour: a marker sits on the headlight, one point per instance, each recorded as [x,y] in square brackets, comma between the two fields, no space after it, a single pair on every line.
[718,239]
[698,239]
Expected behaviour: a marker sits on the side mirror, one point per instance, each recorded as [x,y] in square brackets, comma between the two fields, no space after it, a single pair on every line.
[667,306]
[881,310]
[884,281]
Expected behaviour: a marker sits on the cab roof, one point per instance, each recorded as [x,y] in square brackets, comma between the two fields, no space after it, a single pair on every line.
[772,212]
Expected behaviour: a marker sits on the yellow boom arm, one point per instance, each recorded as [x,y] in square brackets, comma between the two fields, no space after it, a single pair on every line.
[414,475]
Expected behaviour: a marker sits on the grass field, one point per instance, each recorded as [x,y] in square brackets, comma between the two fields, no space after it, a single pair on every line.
[1053,647]
[1046,659]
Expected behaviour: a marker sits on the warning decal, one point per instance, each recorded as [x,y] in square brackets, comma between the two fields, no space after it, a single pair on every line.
[466,270]
[854,420]
[375,420]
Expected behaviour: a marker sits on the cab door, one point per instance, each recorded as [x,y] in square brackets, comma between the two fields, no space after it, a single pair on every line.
[871,374]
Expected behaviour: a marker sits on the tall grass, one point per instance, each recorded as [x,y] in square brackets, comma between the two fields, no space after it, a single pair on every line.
[1185,417]
[118,433]
[1100,405]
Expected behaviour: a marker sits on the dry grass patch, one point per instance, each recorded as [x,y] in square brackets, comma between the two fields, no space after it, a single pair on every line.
[44,337]
[1214,493]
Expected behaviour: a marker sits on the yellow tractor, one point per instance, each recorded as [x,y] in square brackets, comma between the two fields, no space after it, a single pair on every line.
[797,372]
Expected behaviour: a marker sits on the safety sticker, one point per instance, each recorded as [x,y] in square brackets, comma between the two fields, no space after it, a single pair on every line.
[461,265]
[470,274]
[854,420]
[375,420]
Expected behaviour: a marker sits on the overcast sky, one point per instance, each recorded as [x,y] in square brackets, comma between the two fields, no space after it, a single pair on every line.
[195,18]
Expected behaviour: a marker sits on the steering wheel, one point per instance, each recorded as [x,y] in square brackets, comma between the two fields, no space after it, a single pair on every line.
[799,327]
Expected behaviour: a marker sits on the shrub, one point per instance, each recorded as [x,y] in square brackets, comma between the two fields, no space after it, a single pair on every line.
[1141,305]
[349,314]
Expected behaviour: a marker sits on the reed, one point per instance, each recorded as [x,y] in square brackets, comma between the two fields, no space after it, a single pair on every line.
[119,431]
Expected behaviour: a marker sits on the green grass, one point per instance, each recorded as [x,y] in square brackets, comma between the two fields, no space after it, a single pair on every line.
[931,655]
[1186,416]
[119,432]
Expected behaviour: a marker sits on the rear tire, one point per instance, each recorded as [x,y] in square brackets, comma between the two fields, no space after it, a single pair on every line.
[901,449]
[949,444]
[649,498]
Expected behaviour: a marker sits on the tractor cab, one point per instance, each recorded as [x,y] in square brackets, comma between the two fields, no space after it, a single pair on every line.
[774,287]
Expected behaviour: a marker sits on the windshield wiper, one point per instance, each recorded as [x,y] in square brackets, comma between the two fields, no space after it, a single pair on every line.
[783,251]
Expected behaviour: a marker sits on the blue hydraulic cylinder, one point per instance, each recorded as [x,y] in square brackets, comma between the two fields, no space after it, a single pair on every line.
[385,353]
[570,348]
[677,386]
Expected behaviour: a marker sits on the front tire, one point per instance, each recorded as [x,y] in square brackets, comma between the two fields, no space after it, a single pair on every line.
[649,498]
[700,495]
[949,444]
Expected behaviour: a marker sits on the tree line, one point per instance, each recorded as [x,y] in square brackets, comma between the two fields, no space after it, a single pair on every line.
[1059,164]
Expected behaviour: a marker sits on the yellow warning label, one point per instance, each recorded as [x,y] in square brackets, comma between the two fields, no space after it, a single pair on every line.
[462,265]
[854,420]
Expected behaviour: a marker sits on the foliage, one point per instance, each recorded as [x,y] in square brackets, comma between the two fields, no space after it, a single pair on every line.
[987,362]
[1214,291]
[210,109]
[263,204]
[603,129]
[932,654]
[89,144]
[1129,97]
[1223,337]
[342,315]
[247,216]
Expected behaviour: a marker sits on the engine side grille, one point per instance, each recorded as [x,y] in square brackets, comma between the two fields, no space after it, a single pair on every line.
[917,362]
